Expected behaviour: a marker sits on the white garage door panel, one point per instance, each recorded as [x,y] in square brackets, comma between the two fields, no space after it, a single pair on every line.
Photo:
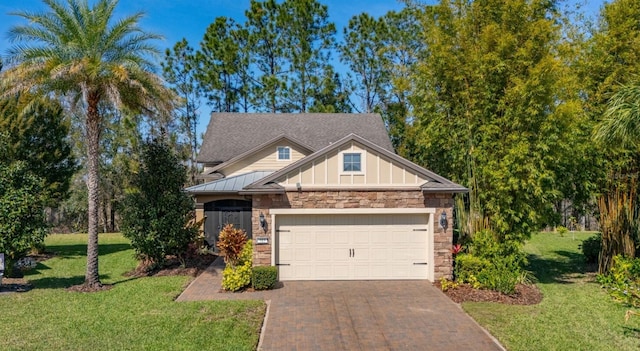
[351,247]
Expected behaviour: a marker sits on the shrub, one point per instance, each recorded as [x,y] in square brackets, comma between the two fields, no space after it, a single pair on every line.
[446,284]
[591,248]
[157,215]
[623,280]
[562,230]
[238,276]
[499,277]
[264,277]
[231,242]
[468,267]
[22,219]
[491,264]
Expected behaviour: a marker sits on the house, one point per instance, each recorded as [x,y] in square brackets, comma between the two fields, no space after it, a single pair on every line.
[325,197]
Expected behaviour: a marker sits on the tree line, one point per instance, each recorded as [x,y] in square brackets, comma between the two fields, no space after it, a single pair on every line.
[517,100]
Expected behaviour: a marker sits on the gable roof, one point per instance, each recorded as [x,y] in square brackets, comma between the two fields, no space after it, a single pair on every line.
[435,183]
[258,148]
[231,134]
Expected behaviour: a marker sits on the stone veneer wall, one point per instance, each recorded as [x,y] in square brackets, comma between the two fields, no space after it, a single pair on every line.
[443,239]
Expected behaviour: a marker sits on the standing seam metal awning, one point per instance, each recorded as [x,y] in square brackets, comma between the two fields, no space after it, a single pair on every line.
[231,184]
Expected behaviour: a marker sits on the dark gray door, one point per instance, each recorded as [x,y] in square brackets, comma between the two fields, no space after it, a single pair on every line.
[222,212]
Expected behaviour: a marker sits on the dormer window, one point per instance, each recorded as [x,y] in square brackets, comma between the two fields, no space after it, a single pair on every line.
[352,162]
[284,153]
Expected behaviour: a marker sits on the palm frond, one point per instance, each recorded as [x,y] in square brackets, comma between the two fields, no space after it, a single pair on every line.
[621,123]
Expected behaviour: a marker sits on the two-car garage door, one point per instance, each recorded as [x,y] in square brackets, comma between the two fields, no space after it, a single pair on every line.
[352,247]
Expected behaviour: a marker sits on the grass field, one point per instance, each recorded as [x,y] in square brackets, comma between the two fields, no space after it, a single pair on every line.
[136,314]
[575,313]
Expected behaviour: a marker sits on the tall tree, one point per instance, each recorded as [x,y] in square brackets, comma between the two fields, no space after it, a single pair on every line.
[222,67]
[80,51]
[497,108]
[309,38]
[40,137]
[362,51]
[332,95]
[158,216]
[404,44]
[22,201]
[267,45]
[179,71]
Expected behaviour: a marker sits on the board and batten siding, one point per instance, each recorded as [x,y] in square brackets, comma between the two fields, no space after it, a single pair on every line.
[378,171]
[264,160]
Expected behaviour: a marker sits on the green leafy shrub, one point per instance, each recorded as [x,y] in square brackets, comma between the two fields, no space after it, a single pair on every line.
[238,276]
[468,267]
[562,230]
[231,243]
[591,248]
[157,215]
[499,277]
[22,219]
[264,277]
[491,264]
[623,280]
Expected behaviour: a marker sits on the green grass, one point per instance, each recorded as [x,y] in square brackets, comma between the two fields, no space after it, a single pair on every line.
[575,313]
[136,314]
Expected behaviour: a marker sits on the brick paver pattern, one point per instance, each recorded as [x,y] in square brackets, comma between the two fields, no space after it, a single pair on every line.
[355,315]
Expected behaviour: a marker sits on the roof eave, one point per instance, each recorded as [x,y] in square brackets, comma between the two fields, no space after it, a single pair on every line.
[261,191]
[446,190]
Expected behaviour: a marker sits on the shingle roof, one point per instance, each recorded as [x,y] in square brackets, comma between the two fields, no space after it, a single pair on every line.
[231,134]
[231,184]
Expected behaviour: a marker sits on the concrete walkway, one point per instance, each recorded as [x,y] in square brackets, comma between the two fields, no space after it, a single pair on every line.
[355,315]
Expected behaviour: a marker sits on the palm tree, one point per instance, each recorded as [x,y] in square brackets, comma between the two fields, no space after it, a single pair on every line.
[621,123]
[80,53]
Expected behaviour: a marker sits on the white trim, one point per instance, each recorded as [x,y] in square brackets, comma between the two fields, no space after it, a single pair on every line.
[338,211]
[278,153]
[363,163]
[354,187]
[431,248]
[273,238]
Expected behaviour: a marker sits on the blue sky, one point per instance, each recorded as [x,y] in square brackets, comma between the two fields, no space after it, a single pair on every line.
[177,19]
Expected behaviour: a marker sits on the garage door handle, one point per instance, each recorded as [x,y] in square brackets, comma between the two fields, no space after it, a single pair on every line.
[419,263]
[283,264]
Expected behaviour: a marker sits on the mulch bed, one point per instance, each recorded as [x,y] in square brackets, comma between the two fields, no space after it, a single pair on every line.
[19,284]
[524,295]
[193,266]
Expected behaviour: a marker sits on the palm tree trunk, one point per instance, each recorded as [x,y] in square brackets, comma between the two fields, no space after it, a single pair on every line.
[92,278]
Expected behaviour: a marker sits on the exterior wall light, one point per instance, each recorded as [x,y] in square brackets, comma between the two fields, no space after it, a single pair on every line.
[263,222]
[443,220]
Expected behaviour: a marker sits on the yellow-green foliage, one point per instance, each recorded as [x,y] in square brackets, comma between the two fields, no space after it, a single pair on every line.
[446,284]
[237,277]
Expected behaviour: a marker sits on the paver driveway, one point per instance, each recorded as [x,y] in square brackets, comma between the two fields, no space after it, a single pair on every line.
[369,315]
[355,315]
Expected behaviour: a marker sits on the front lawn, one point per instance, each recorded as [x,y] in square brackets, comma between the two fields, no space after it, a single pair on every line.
[575,313]
[136,314]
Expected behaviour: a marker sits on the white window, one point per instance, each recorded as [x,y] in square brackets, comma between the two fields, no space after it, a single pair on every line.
[352,162]
[284,153]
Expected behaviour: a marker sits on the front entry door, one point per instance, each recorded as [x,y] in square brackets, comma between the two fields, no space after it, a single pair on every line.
[222,212]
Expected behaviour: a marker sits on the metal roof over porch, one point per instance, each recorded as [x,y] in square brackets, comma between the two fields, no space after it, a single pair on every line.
[228,185]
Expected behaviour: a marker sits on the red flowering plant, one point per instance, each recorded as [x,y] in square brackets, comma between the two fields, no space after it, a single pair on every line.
[456,249]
